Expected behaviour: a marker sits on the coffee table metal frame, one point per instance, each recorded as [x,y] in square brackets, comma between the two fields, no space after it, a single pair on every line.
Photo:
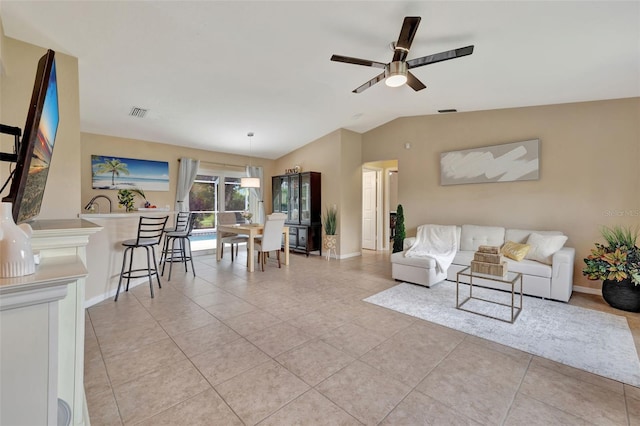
[510,279]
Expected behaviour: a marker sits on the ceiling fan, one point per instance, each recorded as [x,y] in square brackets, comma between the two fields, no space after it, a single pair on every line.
[396,73]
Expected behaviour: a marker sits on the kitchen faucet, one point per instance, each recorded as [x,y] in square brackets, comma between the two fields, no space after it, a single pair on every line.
[92,202]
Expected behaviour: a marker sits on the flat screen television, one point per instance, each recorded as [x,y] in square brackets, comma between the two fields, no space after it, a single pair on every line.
[36,148]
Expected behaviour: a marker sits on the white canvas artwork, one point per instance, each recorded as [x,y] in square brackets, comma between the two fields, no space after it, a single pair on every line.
[496,163]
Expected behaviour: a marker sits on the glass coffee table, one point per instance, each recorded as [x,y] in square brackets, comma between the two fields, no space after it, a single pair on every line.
[511,280]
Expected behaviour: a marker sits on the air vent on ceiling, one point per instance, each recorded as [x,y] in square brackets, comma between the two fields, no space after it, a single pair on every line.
[442,111]
[138,112]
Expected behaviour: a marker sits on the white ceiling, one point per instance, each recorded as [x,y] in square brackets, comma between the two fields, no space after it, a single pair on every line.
[211,71]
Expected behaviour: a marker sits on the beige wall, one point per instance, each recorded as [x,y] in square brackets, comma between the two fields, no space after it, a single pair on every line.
[589,174]
[93,144]
[351,193]
[20,60]
[337,157]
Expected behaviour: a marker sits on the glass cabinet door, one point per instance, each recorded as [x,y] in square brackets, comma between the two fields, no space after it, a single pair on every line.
[276,187]
[305,199]
[284,195]
[294,201]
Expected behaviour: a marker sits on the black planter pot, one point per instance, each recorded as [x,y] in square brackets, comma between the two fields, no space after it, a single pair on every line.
[622,295]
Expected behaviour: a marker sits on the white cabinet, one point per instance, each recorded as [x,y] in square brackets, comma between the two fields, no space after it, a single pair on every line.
[29,350]
[42,328]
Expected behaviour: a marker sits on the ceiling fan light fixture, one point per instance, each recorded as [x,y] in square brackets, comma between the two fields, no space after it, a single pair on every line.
[396,75]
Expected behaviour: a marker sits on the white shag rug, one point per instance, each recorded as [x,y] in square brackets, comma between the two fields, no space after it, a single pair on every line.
[593,341]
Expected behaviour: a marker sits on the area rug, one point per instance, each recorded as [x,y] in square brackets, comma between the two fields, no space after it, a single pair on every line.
[593,341]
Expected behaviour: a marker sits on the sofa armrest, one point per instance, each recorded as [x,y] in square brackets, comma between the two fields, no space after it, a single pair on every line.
[407,243]
[562,274]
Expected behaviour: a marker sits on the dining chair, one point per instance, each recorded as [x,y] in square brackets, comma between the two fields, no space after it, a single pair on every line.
[271,239]
[229,218]
[150,230]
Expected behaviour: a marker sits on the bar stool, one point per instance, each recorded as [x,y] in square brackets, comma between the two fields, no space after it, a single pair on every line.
[150,230]
[181,234]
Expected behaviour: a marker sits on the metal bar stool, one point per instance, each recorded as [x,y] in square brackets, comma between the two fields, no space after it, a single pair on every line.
[181,234]
[150,230]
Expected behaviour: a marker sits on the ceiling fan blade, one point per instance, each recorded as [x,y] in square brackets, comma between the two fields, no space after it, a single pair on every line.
[370,83]
[356,61]
[439,57]
[407,33]
[414,83]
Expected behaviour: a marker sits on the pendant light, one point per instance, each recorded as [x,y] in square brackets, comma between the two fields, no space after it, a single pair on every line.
[250,182]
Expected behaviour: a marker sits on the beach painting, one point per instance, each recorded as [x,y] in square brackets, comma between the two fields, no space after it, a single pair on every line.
[126,173]
[497,163]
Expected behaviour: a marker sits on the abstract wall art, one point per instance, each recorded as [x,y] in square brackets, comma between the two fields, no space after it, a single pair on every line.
[497,163]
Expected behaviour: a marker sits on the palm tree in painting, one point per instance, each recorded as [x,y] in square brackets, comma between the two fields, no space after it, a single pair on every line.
[113,166]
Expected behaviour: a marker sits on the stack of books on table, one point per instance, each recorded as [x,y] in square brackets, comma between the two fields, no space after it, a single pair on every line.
[488,260]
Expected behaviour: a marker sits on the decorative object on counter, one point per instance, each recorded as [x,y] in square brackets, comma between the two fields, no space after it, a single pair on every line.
[295,169]
[16,255]
[398,239]
[126,197]
[617,265]
[247,216]
[330,225]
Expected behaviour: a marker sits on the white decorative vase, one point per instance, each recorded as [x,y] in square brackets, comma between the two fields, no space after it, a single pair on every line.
[16,256]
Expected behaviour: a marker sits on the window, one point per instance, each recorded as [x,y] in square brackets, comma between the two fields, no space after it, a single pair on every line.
[203,199]
[235,197]
[207,197]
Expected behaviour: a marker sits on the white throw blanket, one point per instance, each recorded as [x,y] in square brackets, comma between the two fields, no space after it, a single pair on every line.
[437,242]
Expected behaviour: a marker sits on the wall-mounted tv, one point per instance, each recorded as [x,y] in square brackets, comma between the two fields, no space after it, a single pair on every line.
[36,147]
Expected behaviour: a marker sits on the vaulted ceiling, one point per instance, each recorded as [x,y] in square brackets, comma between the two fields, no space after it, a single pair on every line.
[211,71]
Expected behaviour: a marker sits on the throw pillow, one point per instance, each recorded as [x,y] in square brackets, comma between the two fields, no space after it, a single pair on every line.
[515,251]
[544,246]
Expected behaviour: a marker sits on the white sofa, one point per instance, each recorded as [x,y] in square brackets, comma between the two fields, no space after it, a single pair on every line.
[553,281]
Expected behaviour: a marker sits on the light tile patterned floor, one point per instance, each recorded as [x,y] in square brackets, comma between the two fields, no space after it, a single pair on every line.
[298,345]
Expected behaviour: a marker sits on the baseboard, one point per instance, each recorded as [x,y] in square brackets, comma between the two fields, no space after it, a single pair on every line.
[348,255]
[111,294]
[587,290]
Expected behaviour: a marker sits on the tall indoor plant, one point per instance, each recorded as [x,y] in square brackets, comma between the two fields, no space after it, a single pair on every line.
[617,265]
[330,225]
[398,239]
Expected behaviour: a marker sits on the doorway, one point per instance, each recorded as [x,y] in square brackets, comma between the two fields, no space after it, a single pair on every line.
[379,200]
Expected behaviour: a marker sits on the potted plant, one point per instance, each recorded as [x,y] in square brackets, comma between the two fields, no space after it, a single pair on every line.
[247,216]
[126,196]
[330,225]
[617,264]
[398,239]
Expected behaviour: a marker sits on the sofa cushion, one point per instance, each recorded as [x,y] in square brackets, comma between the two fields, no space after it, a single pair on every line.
[474,236]
[522,235]
[529,267]
[463,258]
[515,251]
[526,267]
[420,262]
[544,246]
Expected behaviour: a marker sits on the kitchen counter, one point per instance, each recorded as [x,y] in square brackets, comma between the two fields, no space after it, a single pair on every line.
[137,213]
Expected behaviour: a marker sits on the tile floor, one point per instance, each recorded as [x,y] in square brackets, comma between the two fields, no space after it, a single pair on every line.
[298,345]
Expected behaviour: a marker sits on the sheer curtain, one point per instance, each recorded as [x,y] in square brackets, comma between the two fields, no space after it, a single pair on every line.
[186,175]
[256,204]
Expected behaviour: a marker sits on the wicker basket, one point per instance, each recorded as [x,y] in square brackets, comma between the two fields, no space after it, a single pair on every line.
[498,270]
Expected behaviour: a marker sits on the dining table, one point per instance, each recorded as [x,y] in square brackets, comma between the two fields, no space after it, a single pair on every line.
[252,230]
